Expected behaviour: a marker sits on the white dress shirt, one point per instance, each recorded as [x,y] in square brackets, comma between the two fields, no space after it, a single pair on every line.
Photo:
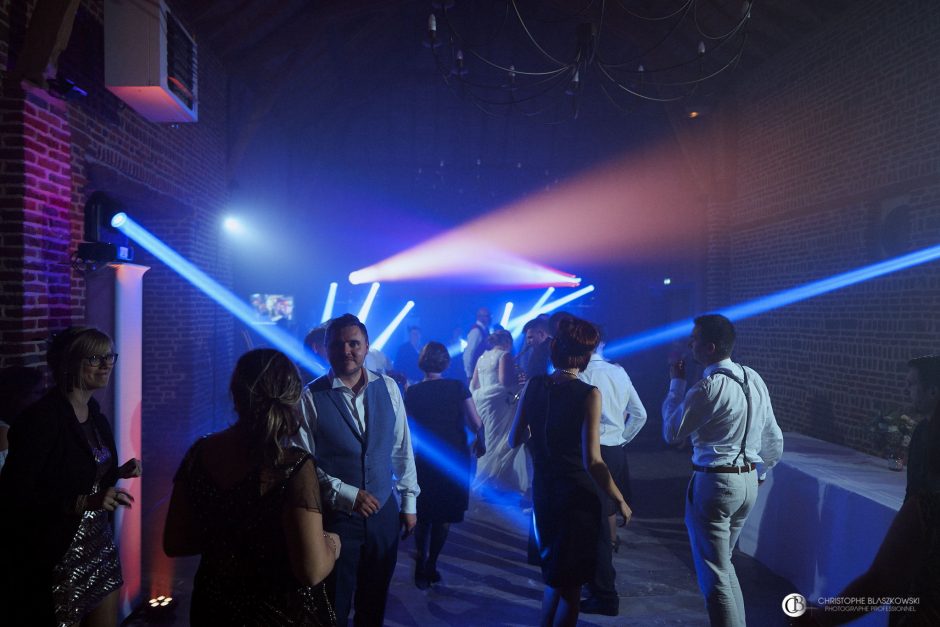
[341,495]
[622,411]
[713,413]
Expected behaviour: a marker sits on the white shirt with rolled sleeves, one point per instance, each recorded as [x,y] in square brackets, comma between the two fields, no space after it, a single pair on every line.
[622,411]
[713,414]
[342,496]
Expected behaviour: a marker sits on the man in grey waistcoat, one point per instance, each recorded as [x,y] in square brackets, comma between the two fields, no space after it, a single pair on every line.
[354,423]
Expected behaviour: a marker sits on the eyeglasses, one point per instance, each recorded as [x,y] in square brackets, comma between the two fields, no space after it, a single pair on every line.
[96,360]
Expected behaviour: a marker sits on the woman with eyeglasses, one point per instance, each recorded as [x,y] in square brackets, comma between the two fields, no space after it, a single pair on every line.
[58,489]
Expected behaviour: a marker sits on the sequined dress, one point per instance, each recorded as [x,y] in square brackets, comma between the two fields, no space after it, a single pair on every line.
[245,576]
[89,570]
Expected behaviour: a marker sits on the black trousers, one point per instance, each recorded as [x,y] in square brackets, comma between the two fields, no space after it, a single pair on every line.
[366,563]
[603,586]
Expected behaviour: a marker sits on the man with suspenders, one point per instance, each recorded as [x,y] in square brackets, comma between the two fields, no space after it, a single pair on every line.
[735,438]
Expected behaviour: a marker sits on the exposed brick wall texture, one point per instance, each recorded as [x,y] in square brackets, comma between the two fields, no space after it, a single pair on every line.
[832,134]
[54,154]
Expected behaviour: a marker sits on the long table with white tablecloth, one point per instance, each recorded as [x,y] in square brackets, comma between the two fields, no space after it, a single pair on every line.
[821,515]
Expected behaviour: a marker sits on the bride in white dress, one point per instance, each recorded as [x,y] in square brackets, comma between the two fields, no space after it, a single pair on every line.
[493,387]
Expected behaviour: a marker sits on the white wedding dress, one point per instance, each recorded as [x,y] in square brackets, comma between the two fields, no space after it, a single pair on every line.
[501,468]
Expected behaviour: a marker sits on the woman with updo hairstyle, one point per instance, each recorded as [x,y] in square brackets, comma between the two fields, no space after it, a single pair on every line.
[440,410]
[501,471]
[559,416]
[249,504]
[58,491]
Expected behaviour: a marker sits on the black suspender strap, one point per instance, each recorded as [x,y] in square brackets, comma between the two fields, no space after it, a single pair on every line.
[747,399]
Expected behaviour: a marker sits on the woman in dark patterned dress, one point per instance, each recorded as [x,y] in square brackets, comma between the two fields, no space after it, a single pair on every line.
[58,492]
[250,505]
[559,415]
[439,411]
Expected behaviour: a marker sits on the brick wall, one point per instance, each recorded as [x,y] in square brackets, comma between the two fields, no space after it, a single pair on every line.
[173,179]
[832,134]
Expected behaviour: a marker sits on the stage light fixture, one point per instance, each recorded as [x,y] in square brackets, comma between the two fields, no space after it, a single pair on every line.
[367,305]
[330,301]
[104,242]
[274,334]
[386,334]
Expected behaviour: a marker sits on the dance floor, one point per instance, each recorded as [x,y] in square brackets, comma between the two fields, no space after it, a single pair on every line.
[486,580]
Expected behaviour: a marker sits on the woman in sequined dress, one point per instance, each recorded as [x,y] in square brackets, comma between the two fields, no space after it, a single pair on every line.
[249,504]
[58,489]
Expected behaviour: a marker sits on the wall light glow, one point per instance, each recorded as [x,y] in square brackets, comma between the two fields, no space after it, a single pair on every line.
[367,305]
[233,225]
[682,328]
[330,301]
[386,334]
[278,338]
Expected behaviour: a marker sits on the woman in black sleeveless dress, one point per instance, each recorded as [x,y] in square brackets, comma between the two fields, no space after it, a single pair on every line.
[250,506]
[440,410]
[559,416]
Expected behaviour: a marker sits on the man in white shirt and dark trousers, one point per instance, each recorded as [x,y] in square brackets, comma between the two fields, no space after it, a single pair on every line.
[735,438]
[354,424]
[622,417]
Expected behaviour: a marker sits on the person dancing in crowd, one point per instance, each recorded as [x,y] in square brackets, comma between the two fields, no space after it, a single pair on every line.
[907,565]
[20,387]
[249,504]
[440,409]
[494,380]
[560,416]
[61,563]
[733,429]
[922,386]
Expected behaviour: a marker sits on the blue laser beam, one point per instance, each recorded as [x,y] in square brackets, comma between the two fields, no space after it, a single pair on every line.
[682,328]
[330,300]
[278,338]
[516,324]
[367,305]
[386,334]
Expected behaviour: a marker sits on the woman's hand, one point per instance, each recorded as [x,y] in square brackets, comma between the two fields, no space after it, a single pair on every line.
[109,500]
[130,469]
[479,447]
[332,539]
[626,512]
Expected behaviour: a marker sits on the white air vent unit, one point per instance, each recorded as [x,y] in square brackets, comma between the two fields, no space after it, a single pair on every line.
[150,60]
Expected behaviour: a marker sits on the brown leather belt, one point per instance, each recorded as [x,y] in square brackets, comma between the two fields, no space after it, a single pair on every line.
[734,470]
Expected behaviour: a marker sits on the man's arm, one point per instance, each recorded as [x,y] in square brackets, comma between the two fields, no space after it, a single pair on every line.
[636,412]
[683,416]
[340,496]
[771,445]
[474,337]
[403,459]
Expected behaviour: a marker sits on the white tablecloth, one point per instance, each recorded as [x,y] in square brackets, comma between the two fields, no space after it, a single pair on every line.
[821,516]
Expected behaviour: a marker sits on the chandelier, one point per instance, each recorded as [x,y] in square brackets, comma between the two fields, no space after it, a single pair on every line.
[551,57]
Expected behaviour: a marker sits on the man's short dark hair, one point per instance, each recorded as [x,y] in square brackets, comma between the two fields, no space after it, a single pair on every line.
[317,335]
[538,324]
[434,357]
[718,330]
[336,325]
[928,370]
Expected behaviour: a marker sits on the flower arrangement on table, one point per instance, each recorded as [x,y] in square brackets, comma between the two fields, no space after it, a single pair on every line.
[891,433]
